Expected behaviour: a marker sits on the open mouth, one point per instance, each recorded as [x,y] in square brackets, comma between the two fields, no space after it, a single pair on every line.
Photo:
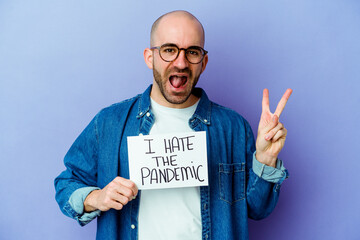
[178,81]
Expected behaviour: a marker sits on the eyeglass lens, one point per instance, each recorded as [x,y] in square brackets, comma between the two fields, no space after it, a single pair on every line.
[171,52]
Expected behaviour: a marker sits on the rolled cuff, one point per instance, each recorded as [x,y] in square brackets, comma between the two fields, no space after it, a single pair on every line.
[270,174]
[76,202]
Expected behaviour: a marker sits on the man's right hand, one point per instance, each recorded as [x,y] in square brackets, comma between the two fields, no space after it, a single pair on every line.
[115,195]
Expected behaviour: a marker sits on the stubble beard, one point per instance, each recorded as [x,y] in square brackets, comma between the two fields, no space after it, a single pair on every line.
[177,99]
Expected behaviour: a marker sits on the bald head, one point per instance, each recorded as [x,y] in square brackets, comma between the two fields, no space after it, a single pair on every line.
[175,17]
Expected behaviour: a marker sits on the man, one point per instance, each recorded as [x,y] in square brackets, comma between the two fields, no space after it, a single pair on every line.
[242,182]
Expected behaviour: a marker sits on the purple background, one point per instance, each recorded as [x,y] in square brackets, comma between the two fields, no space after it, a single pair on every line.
[62,61]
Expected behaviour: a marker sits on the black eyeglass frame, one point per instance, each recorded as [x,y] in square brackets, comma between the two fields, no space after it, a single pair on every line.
[179,50]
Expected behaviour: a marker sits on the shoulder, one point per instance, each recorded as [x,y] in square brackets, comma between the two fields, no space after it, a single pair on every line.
[118,109]
[229,120]
[223,113]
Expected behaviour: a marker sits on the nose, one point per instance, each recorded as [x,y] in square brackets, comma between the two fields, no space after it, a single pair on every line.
[181,61]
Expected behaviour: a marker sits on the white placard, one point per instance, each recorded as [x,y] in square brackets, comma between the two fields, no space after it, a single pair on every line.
[168,160]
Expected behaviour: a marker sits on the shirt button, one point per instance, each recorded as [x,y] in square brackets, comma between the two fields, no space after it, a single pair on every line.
[205,206]
[140,113]
[206,236]
[148,114]
[140,134]
[132,226]
[205,120]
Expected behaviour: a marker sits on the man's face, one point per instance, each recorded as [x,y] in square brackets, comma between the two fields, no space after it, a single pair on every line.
[175,80]
[175,84]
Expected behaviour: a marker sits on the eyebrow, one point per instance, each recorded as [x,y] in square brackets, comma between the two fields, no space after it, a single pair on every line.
[174,45]
[169,45]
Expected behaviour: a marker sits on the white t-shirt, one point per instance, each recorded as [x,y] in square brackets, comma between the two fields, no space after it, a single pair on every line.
[170,213]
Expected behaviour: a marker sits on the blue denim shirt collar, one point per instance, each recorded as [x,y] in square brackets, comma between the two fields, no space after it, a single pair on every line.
[144,103]
[203,110]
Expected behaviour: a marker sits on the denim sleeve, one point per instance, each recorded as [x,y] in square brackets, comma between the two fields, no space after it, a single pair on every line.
[261,195]
[81,169]
[76,201]
[270,174]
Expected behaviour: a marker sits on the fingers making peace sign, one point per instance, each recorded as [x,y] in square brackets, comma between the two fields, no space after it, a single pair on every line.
[271,133]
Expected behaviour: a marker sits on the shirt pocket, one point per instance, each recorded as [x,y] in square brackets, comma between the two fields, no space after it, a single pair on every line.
[232,182]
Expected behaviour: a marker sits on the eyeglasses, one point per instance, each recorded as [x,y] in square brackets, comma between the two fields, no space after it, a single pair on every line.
[170,52]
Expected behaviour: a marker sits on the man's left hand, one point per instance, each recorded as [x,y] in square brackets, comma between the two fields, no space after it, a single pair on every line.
[271,133]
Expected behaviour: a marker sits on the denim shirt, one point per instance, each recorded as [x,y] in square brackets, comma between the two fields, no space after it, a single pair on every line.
[234,193]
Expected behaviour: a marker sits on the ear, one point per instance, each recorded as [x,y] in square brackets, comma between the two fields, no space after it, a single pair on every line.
[204,63]
[148,57]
